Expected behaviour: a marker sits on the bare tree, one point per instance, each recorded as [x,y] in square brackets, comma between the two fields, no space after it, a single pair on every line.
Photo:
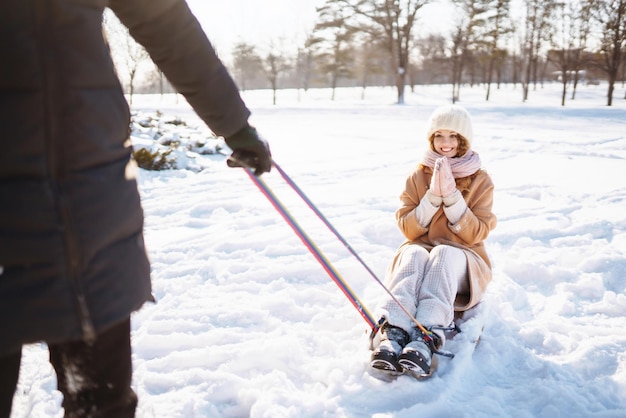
[432,49]
[336,51]
[501,58]
[466,38]
[246,64]
[458,51]
[611,14]
[624,72]
[371,60]
[498,26]
[273,65]
[393,21]
[305,61]
[517,55]
[570,43]
[538,26]
[127,54]
[581,33]
[162,82]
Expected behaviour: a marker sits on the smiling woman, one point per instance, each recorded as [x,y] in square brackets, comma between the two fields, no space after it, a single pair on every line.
[446,143]
[450,132]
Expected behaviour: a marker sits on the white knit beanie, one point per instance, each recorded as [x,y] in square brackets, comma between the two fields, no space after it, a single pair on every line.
[452,118]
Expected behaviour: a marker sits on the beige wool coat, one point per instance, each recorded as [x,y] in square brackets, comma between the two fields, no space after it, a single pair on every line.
[468,234]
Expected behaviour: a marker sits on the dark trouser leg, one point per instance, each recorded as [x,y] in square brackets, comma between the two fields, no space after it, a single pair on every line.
[95,378]
[9,373]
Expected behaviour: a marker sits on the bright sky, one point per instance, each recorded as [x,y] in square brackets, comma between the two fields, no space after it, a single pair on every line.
[254,21]
[260,22]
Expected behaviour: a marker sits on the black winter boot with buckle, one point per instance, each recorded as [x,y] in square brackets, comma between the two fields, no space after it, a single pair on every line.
[385,356]
[417,356]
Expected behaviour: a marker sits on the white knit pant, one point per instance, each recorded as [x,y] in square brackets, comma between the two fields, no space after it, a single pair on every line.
[426,284]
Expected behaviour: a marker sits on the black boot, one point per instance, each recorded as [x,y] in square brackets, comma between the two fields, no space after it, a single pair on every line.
[385,356]
[417,355]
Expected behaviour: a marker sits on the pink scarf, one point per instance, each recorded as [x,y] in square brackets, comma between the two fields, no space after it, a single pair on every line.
[461,167]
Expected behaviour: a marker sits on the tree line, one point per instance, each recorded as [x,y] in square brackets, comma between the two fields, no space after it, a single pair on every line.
[376,42]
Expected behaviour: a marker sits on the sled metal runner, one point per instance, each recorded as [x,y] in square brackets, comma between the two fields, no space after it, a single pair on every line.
[321,258]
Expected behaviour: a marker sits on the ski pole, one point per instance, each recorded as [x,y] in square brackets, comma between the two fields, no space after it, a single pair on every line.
[348,246]
[312,247]
[319,214]
[319,255]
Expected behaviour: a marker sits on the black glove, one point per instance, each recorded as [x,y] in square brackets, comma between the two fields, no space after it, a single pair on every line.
[249,150]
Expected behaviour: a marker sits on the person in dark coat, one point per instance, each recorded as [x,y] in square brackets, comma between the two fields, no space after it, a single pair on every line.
[73,264]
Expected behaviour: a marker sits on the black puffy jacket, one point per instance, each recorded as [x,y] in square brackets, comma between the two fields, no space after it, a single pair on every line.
[72,256]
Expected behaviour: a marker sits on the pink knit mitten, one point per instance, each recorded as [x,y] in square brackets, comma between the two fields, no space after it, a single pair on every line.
[447,183]
[435,180]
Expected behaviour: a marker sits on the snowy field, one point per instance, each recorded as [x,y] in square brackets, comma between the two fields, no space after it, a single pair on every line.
[248,324]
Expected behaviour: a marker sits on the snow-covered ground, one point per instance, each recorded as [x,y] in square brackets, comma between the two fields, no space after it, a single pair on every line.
[248,324]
